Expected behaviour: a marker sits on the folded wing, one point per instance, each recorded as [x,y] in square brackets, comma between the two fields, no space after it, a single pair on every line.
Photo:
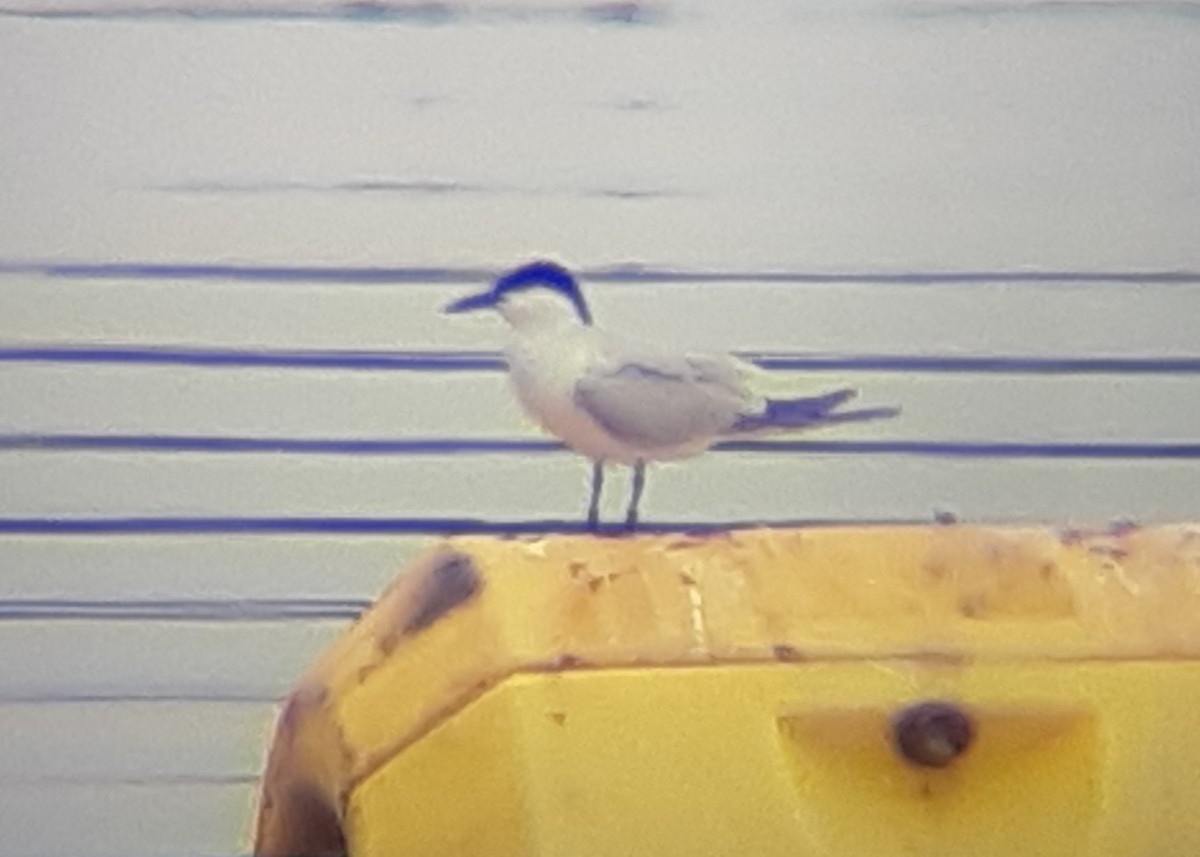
[664,403]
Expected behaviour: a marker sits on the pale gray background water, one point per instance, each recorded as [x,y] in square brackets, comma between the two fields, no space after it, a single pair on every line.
[323,155]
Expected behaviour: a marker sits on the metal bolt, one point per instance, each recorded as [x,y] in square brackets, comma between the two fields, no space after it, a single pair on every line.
[932,734]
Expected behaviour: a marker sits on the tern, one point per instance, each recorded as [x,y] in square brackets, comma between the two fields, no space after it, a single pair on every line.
[617,401]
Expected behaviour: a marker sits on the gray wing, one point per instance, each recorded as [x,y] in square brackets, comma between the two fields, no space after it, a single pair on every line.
[664,400]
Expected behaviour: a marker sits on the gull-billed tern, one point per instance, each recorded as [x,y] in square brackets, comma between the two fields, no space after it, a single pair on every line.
[617,401]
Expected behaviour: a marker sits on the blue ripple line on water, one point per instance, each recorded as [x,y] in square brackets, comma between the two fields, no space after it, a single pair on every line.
[472,361]
[413,187]
[183,610]
[420,361]
[435,12]
[306,446]
[1048,9]
[379,12]
[155,781]
[371,12]
[623,273]
[420,187]
[520,446]
[9,696]
[164,271]
[316,525]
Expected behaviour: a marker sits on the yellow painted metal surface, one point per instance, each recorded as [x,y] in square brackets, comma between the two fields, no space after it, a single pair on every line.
[758,692]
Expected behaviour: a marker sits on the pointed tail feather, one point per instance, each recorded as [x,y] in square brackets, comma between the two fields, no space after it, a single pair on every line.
[861,415]
[795,414]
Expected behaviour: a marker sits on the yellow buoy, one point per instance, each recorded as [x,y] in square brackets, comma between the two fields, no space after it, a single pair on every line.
[902,691]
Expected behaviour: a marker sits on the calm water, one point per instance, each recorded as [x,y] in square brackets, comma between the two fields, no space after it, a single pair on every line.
[231,410]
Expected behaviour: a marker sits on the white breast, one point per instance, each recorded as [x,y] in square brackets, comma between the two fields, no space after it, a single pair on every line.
[543,368]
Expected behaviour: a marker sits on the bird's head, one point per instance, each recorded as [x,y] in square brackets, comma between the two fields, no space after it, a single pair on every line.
[534,295]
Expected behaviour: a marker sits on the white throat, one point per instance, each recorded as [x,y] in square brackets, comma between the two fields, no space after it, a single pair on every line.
[533,310]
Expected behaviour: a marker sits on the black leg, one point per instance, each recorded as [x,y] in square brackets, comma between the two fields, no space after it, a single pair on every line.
[635,496]
[593,518]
